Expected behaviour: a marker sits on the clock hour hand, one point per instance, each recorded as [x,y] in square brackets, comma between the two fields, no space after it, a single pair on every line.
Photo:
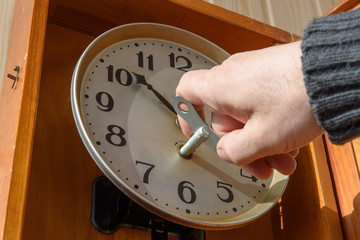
[140,79]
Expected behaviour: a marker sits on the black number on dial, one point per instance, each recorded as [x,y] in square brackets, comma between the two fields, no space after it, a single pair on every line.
[181,60]
[150,60]
[184,186]
[110,69]
[147,171]
[116,135]
[122,76]
[105,101]
[254,179]
[225,186]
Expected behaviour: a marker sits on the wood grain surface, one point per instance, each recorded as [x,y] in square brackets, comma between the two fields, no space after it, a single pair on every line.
[344,164]
[50,189]
[17,111]
[308,209]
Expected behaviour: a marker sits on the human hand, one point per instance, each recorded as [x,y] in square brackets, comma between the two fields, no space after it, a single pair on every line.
[259,107]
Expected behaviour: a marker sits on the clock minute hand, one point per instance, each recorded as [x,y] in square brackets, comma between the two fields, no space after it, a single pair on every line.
[140,79]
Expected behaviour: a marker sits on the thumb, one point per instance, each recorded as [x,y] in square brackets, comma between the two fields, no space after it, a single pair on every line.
[243,146]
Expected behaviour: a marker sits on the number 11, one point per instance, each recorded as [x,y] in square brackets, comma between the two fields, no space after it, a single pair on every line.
[149,58]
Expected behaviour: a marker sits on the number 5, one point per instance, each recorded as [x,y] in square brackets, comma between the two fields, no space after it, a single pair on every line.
[225,186]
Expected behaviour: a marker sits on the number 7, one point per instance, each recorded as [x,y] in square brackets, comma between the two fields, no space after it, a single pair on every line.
[147,172]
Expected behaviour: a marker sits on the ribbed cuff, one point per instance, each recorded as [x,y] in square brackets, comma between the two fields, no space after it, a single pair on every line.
[331,68]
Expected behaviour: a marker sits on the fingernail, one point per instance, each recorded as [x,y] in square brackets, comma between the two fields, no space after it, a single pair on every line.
[222,155]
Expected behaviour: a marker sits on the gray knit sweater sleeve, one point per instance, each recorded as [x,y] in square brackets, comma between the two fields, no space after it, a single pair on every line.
[331,67]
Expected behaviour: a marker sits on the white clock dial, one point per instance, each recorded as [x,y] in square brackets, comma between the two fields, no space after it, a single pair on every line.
[132,136]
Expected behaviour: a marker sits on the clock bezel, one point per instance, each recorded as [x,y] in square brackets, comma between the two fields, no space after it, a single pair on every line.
[179,36]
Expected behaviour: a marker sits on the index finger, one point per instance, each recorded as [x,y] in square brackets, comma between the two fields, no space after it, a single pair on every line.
[191,87]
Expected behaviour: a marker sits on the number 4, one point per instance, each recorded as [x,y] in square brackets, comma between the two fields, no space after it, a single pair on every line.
[254,179]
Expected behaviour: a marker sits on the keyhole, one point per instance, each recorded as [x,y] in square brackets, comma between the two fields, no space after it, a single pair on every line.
[183,107]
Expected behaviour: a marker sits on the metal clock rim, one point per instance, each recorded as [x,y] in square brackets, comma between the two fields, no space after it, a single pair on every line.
[163,32]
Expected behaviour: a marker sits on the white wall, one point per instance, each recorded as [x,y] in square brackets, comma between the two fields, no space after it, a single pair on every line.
[289,15]
[6,7]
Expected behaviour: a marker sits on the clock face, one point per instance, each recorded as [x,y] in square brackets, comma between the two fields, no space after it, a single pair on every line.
[133,137]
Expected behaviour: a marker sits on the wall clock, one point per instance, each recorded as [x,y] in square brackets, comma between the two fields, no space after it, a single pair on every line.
[121,95]
[44,164]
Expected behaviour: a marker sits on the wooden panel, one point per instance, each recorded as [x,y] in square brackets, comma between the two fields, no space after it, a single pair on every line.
[258,229]
[17,111]
[230,30]
[327,198]
[308,209]
[52,202]
[346,178]
[356,148]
